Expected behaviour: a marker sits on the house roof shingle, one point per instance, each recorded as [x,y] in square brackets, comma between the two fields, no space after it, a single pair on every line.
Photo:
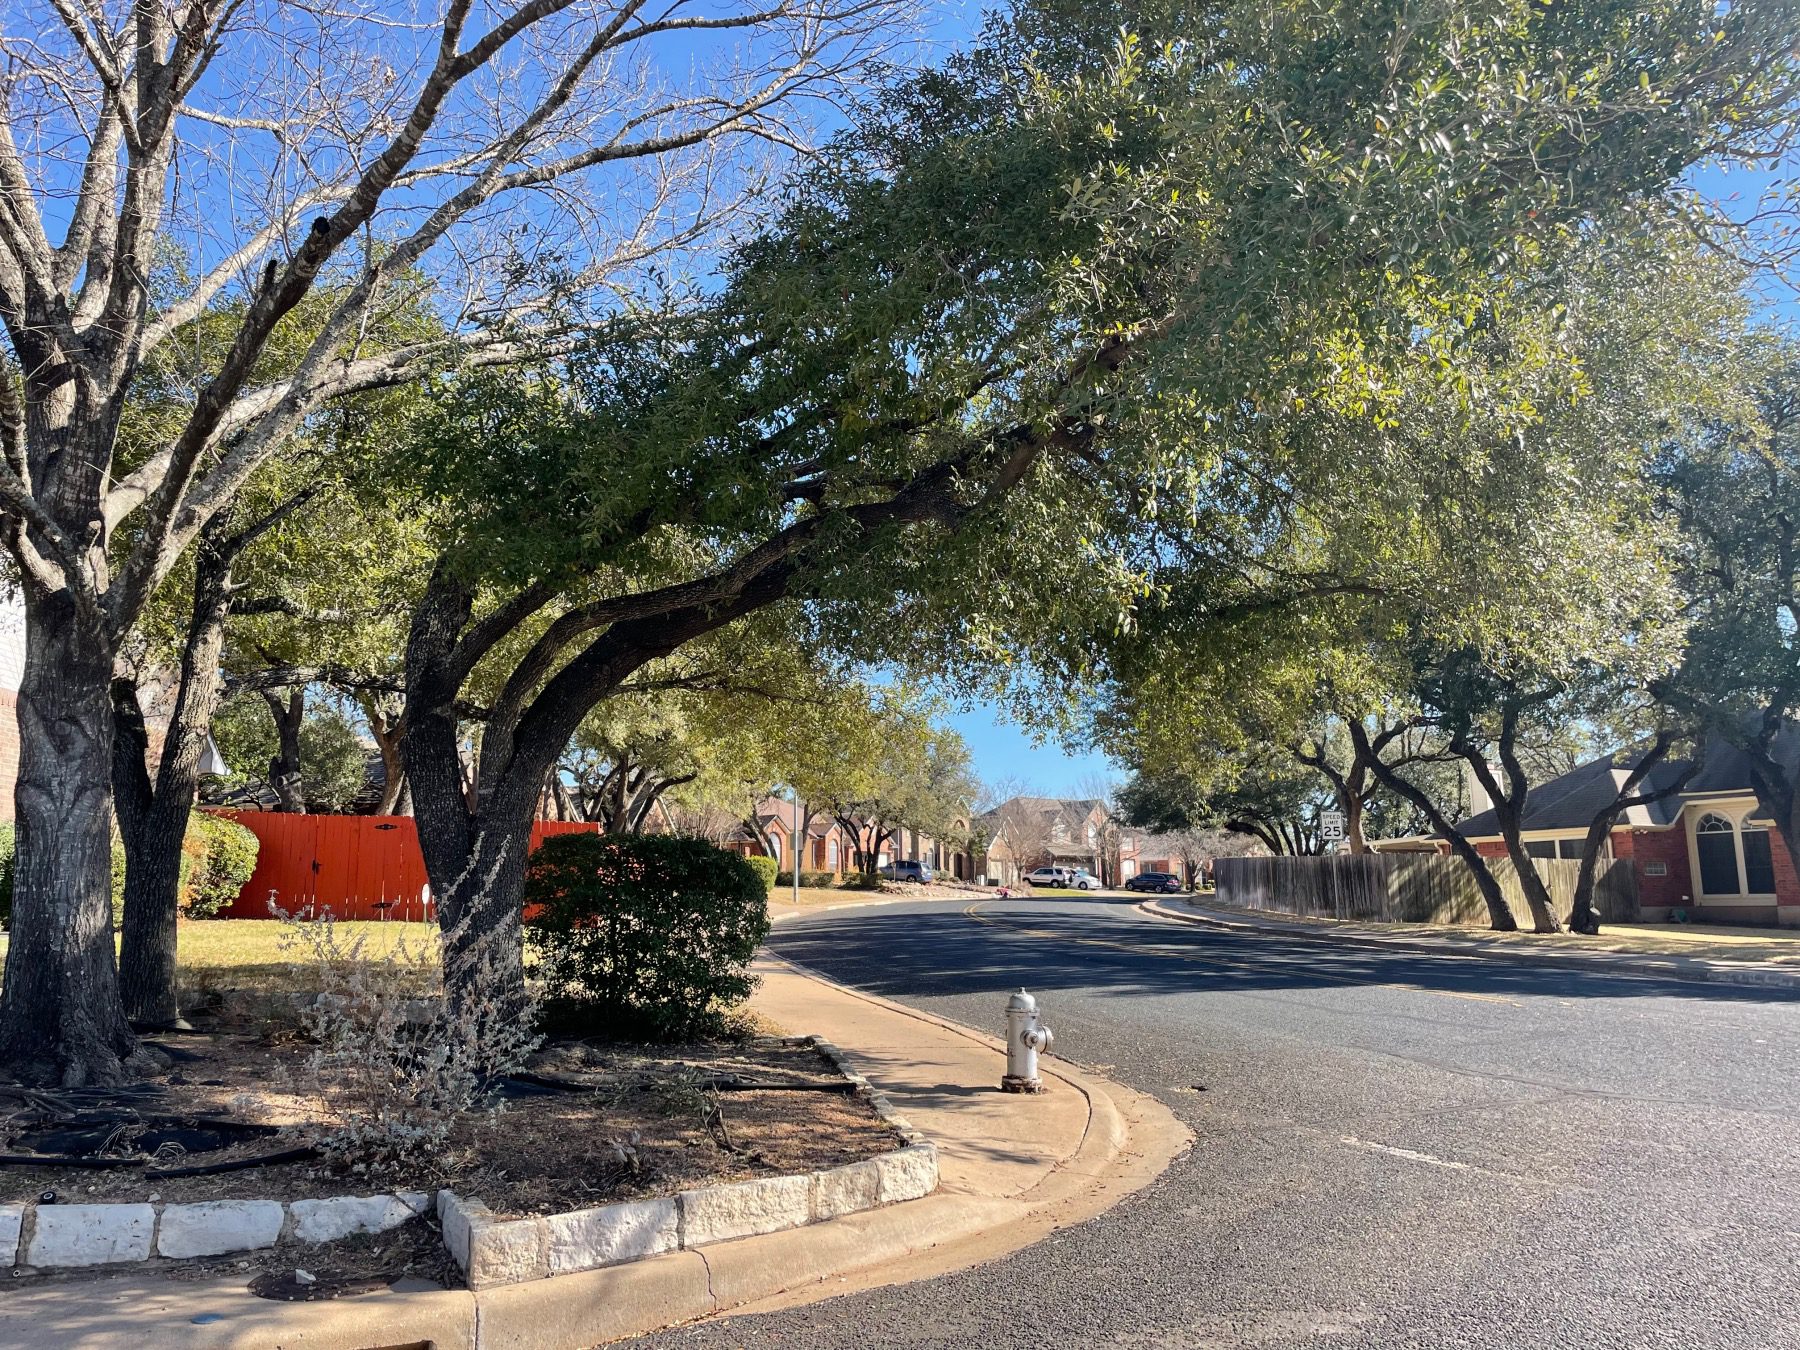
[1571,801]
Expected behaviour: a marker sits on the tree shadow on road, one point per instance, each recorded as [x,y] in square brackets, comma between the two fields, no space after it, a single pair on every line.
[1101,945]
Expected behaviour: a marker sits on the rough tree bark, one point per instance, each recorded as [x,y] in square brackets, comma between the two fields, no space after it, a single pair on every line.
[284,769]
[154,811]
[1509,808]
[382,711]
[1500,915]
[61,1020]
[1582,918]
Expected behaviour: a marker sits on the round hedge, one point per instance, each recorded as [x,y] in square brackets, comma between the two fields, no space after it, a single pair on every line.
[765,869]
[642,936]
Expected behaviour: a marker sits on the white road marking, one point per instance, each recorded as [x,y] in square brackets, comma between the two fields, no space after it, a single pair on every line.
[1450,1164]
[1407,1153]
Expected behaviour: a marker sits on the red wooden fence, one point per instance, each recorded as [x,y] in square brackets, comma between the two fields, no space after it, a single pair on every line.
[357,867]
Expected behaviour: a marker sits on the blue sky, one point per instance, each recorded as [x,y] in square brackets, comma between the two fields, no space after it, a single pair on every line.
[1003,750]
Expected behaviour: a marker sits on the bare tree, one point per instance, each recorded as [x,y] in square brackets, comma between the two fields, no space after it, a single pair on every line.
[513,164]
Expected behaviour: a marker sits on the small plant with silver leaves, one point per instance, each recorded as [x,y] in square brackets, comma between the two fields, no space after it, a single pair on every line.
[403,1077]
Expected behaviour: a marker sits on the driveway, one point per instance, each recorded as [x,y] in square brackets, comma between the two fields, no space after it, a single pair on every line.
[1393,1149]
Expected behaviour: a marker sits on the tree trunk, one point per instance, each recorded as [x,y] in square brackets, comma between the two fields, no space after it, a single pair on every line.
[1500,915]
[61,1021]
[480,909]
[1509,810]
[1582,918]
[154,818]
[1353,817]
[284,769]
[1537,895]
[152,826]
[385,730]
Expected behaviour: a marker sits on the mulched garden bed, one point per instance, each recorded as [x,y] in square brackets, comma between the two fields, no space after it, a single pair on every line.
[585,1125]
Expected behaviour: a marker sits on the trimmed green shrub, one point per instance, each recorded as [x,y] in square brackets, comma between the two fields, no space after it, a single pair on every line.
[217,857]
[8,846]
[806,879]
[766,870]
[118,882]
[860,881]
[645,936]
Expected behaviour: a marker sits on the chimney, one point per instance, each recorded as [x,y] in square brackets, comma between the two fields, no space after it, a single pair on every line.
[1479,800]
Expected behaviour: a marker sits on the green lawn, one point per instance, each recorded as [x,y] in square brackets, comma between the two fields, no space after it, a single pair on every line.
[248,953]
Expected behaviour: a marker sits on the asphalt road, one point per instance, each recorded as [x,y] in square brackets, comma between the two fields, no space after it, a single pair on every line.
[1393,1150]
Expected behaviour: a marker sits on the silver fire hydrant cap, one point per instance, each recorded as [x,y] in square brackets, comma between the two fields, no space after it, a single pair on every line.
[1021,1002]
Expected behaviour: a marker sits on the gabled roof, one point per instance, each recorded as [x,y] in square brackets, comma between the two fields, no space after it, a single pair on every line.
[1571,801]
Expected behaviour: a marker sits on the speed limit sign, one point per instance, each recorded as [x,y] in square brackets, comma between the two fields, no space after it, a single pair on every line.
[1331,827]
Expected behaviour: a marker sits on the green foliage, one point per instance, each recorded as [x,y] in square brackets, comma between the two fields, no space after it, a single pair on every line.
[8,854]
[766,870]
[806,879]
[1732,481]
[643,936]
[333,760]
[860,881]
[1123,283]
[118,882]
[1266,794]
[217,857]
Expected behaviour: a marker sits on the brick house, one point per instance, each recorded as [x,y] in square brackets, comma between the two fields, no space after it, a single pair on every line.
[830,847]
[1024,833]
[1711,850]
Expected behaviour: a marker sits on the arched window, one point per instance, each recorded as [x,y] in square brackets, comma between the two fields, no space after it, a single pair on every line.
[831,854]
[1715,840]
[1759,864]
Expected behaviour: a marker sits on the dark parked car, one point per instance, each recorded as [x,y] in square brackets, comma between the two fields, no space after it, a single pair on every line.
[1162,883]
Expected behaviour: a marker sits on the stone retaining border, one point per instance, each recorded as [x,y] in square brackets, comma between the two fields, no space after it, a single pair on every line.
[494,1251]
[57,1236]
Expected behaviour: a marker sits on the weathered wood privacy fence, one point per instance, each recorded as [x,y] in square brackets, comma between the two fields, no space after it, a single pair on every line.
[355,867]
[1408,887]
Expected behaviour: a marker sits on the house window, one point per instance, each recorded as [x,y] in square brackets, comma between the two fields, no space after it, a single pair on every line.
[1715,841]
[1568,850]
[831,854]
[1759,864]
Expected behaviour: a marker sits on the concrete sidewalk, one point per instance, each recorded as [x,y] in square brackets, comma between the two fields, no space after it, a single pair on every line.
[1521,948]
[1013,1169]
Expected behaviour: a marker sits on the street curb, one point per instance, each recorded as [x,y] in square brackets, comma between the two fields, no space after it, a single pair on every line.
[1124,1146]
[1689,970]
[866,904]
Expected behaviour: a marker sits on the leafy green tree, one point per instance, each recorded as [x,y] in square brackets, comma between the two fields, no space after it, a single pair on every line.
[1733,484]
[1482,604]
[1267,796]
[620,141]
[1027,298]
[323,747]
[305,576]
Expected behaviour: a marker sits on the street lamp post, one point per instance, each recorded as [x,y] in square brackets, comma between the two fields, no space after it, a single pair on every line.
[799,848]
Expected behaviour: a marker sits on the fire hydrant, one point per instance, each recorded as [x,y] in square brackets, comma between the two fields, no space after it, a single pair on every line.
[1026,1037]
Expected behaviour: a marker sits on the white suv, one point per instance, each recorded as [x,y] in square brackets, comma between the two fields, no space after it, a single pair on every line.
[1064,878]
